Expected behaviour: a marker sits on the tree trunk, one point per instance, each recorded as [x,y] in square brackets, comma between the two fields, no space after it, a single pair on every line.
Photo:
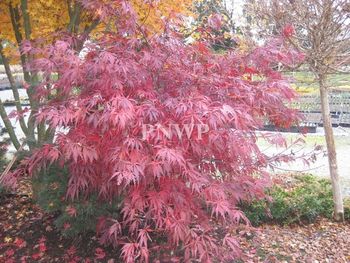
[332,156]
[8,126]
[14,89]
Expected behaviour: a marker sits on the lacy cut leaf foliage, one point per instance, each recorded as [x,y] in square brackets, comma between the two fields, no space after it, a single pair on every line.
[174,192]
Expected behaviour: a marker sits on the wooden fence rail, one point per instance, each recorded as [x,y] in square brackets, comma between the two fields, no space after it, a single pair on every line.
[310,106]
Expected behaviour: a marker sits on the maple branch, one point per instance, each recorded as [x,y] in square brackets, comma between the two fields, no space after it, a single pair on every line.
[26,19]
[8,126]
[49,135]
[14,13]
[14,89]
[74,18]
[33,80]
[70,11]
[86,33]
[15,21]
[31,131]
[9,166]
[41,129]
[77,20]
[92,26]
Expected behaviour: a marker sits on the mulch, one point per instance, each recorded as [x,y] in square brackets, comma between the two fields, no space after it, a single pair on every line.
[27,234]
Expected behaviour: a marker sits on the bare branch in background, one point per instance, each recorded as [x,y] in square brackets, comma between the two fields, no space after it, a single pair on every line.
[321,30]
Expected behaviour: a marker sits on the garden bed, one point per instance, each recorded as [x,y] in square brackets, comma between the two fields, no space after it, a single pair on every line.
[29,235]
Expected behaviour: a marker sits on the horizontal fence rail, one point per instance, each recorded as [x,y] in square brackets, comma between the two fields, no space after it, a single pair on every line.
[310,107]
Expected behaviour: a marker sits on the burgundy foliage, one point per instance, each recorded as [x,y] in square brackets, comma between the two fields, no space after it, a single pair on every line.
[177,188]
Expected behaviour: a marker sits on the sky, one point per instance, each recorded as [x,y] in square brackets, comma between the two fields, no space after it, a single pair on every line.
[237,7]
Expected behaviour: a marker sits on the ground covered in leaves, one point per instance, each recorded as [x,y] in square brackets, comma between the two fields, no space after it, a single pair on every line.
[28,235]
[324,241]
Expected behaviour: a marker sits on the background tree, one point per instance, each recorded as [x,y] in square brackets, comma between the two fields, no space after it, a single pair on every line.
[213,21]
[23,21]
[321,30]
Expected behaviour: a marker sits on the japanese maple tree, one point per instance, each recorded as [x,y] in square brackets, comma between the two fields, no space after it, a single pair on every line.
[173,192]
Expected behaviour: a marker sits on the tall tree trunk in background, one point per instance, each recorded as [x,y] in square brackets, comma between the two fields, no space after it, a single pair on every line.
[332,155]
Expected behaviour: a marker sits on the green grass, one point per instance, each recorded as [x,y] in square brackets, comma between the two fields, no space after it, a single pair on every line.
[305,81]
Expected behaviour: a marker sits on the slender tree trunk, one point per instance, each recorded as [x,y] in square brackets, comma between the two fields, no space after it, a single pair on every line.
[332,156]
[41,128]
[8,126]
[75,18]
[16,26]
[18,29]
[21,24]
[14,89]
[26,19]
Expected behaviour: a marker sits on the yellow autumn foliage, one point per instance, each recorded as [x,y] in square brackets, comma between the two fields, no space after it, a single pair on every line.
[50,16]
[151,16]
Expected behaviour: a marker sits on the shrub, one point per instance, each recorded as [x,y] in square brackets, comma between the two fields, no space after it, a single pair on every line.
[73,217]
[121,111]
[308,199]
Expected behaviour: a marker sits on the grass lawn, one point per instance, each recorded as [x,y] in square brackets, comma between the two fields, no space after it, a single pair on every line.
[305,81]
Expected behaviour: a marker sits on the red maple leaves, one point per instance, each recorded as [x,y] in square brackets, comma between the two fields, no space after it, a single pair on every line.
[170,186]
[288,30]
